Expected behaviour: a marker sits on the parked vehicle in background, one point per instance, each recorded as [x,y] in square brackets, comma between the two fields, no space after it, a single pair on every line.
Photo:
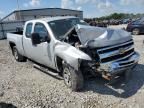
[75,49]
[19,29]
[98,24]
[136,27]
[114,22]
[126,21]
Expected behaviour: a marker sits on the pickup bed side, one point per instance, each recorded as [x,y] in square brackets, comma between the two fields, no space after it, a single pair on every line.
[16,39]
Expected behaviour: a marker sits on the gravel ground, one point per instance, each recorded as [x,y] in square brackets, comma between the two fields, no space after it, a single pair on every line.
[23,86]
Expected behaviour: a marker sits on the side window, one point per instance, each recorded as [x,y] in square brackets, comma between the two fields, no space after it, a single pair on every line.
[41,29]
[28,30]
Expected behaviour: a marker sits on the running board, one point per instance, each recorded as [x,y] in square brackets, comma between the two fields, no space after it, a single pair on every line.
[47,71]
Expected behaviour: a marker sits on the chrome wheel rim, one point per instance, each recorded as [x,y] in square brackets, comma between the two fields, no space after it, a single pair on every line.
[135,32]
[67,77]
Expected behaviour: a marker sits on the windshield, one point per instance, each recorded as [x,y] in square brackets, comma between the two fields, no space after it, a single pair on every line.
[61,27]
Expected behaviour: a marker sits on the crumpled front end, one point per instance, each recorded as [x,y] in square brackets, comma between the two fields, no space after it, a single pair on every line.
[118,58]
[113,60]
[99,50]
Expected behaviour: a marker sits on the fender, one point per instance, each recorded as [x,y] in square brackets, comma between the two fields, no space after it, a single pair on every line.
[70,54]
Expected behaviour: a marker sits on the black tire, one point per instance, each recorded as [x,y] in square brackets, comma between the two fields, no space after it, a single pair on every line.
[18,57]
[73,79]
[136,31]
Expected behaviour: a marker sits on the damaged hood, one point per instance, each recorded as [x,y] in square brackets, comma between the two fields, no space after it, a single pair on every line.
[101,37]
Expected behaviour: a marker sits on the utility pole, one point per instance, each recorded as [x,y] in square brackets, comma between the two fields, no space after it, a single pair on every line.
[18,8]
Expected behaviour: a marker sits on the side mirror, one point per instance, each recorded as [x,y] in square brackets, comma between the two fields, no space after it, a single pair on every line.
[35,38]
[48,39]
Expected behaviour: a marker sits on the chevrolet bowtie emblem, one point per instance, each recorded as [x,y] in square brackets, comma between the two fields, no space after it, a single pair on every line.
[121,50]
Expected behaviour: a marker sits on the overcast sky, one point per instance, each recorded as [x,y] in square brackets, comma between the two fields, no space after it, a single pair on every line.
[91,8]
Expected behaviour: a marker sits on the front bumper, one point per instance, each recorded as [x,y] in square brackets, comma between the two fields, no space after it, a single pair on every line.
[116,67]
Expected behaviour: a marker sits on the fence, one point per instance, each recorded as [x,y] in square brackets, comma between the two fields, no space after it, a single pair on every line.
[6,27]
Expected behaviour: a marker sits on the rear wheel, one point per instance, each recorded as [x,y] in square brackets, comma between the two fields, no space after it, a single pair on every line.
[136,31]
[73,79]
[18,57]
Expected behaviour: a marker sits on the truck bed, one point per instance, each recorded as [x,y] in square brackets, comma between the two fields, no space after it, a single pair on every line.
[16,38]
[18,32]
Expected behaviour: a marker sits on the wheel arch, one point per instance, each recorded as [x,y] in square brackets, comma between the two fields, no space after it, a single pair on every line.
[136,28]
[12,44]
[58,62]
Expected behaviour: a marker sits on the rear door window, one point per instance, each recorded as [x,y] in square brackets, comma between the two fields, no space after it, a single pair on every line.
[28,30]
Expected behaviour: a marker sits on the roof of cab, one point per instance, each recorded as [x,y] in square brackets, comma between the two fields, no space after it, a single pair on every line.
[48,19]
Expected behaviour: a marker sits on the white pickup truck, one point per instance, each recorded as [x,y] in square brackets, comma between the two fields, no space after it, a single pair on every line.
[74,49]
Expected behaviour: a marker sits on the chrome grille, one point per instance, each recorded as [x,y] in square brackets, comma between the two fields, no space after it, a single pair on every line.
[117,52]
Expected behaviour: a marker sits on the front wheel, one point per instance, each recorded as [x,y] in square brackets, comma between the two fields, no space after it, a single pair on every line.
[136,31]
[73,79]
[18,57]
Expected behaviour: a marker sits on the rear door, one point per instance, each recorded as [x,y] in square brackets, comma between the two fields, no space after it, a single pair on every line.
[27,44]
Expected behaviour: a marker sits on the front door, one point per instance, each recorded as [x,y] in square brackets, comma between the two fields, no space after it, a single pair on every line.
[40,53]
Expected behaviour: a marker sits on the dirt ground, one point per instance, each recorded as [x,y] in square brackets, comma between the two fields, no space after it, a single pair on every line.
[22,86]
